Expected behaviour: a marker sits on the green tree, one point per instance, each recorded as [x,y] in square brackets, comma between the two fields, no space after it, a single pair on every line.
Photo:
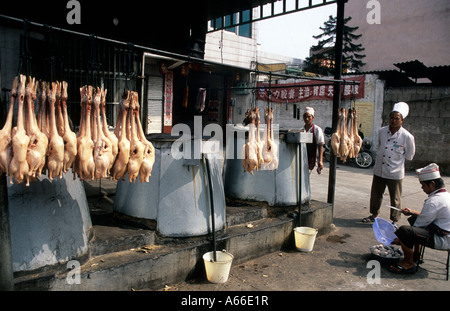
[321,60]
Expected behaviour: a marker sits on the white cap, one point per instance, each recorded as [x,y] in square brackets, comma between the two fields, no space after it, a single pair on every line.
[309,110]
[429,172]
[401,107]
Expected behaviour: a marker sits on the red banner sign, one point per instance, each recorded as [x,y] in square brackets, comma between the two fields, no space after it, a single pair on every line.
[310,90]
[168,98]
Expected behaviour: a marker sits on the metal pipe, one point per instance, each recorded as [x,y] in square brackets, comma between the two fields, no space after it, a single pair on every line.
[336,94]
[211,200]
[277,86]
[142,95]
[299,176]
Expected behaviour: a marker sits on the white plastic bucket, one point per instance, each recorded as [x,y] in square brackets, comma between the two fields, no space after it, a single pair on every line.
[305,238]
[217,271]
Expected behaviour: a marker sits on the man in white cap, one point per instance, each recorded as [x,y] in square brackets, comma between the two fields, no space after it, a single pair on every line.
[395,145]
[315,149]
[429,227]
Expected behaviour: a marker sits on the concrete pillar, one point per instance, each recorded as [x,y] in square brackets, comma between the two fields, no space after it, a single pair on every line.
[6,269]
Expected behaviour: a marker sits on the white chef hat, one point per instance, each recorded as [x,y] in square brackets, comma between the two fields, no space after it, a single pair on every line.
[429,172]
[309,110]
[401,107]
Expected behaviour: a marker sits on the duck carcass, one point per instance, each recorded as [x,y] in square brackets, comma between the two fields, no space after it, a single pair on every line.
[123,155]
[346,142]
[18,167]
[270,147]
[84,161]
[250,148]
[55,152]
[145,171]
[69,137]
[136,146]
[355,139]
[37,148]
[103,146]
[113,138]
[5,133]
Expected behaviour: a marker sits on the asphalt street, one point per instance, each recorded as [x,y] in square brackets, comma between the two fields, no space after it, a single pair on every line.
[340,260]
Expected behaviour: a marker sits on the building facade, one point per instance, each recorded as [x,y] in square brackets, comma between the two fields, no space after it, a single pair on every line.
[238,46]
[396,31]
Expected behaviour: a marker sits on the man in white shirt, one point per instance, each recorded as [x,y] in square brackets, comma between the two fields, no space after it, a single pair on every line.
[431,226]
[314,149]
[395,144]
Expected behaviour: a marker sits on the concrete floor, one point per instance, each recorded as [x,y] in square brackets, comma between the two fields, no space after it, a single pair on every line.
[340,260]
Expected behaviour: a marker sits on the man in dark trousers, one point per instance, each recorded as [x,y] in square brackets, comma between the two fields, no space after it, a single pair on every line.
[395,145]
[429,227]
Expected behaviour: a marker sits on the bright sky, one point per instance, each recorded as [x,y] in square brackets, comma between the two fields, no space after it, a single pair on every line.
[291,34]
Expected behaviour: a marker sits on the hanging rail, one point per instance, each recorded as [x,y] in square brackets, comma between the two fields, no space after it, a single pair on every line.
[278,86]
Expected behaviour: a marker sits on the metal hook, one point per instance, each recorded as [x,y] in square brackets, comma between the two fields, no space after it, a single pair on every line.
[25,56]
[129,70]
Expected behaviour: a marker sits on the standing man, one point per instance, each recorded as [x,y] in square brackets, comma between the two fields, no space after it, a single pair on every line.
[315,149]
[429,227]
[395,144]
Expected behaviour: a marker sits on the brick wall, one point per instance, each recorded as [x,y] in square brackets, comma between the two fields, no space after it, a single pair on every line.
[428,121]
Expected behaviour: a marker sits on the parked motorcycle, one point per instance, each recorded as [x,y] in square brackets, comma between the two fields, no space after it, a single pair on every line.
[364,159]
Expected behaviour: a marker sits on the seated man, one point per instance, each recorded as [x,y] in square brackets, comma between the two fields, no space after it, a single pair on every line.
[430,227]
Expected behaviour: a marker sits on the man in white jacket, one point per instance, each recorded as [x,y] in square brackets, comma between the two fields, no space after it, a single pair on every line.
[395,145]
[429,227]
[315,149]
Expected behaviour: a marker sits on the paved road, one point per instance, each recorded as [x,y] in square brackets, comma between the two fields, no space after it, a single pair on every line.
[339,260]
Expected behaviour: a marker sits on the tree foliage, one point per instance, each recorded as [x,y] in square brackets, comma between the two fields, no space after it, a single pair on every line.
[322,56]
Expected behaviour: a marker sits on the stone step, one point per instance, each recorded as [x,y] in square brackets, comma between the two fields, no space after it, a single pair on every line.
[156,265]
[237,215]
[111,239]
[166,261]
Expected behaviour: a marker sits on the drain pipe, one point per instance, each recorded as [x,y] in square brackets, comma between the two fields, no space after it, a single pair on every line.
[299,176]
[211,201]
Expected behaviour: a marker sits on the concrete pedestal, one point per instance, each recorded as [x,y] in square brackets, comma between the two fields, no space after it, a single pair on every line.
[176,197]
[278,187]
[49,221]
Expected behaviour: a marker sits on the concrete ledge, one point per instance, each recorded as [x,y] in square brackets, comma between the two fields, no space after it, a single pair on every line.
[166,261]
[318,215]
[267,235]
[110,239]
[242,214]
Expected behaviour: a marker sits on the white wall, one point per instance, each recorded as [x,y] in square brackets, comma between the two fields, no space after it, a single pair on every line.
[408,30]
[228,48]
